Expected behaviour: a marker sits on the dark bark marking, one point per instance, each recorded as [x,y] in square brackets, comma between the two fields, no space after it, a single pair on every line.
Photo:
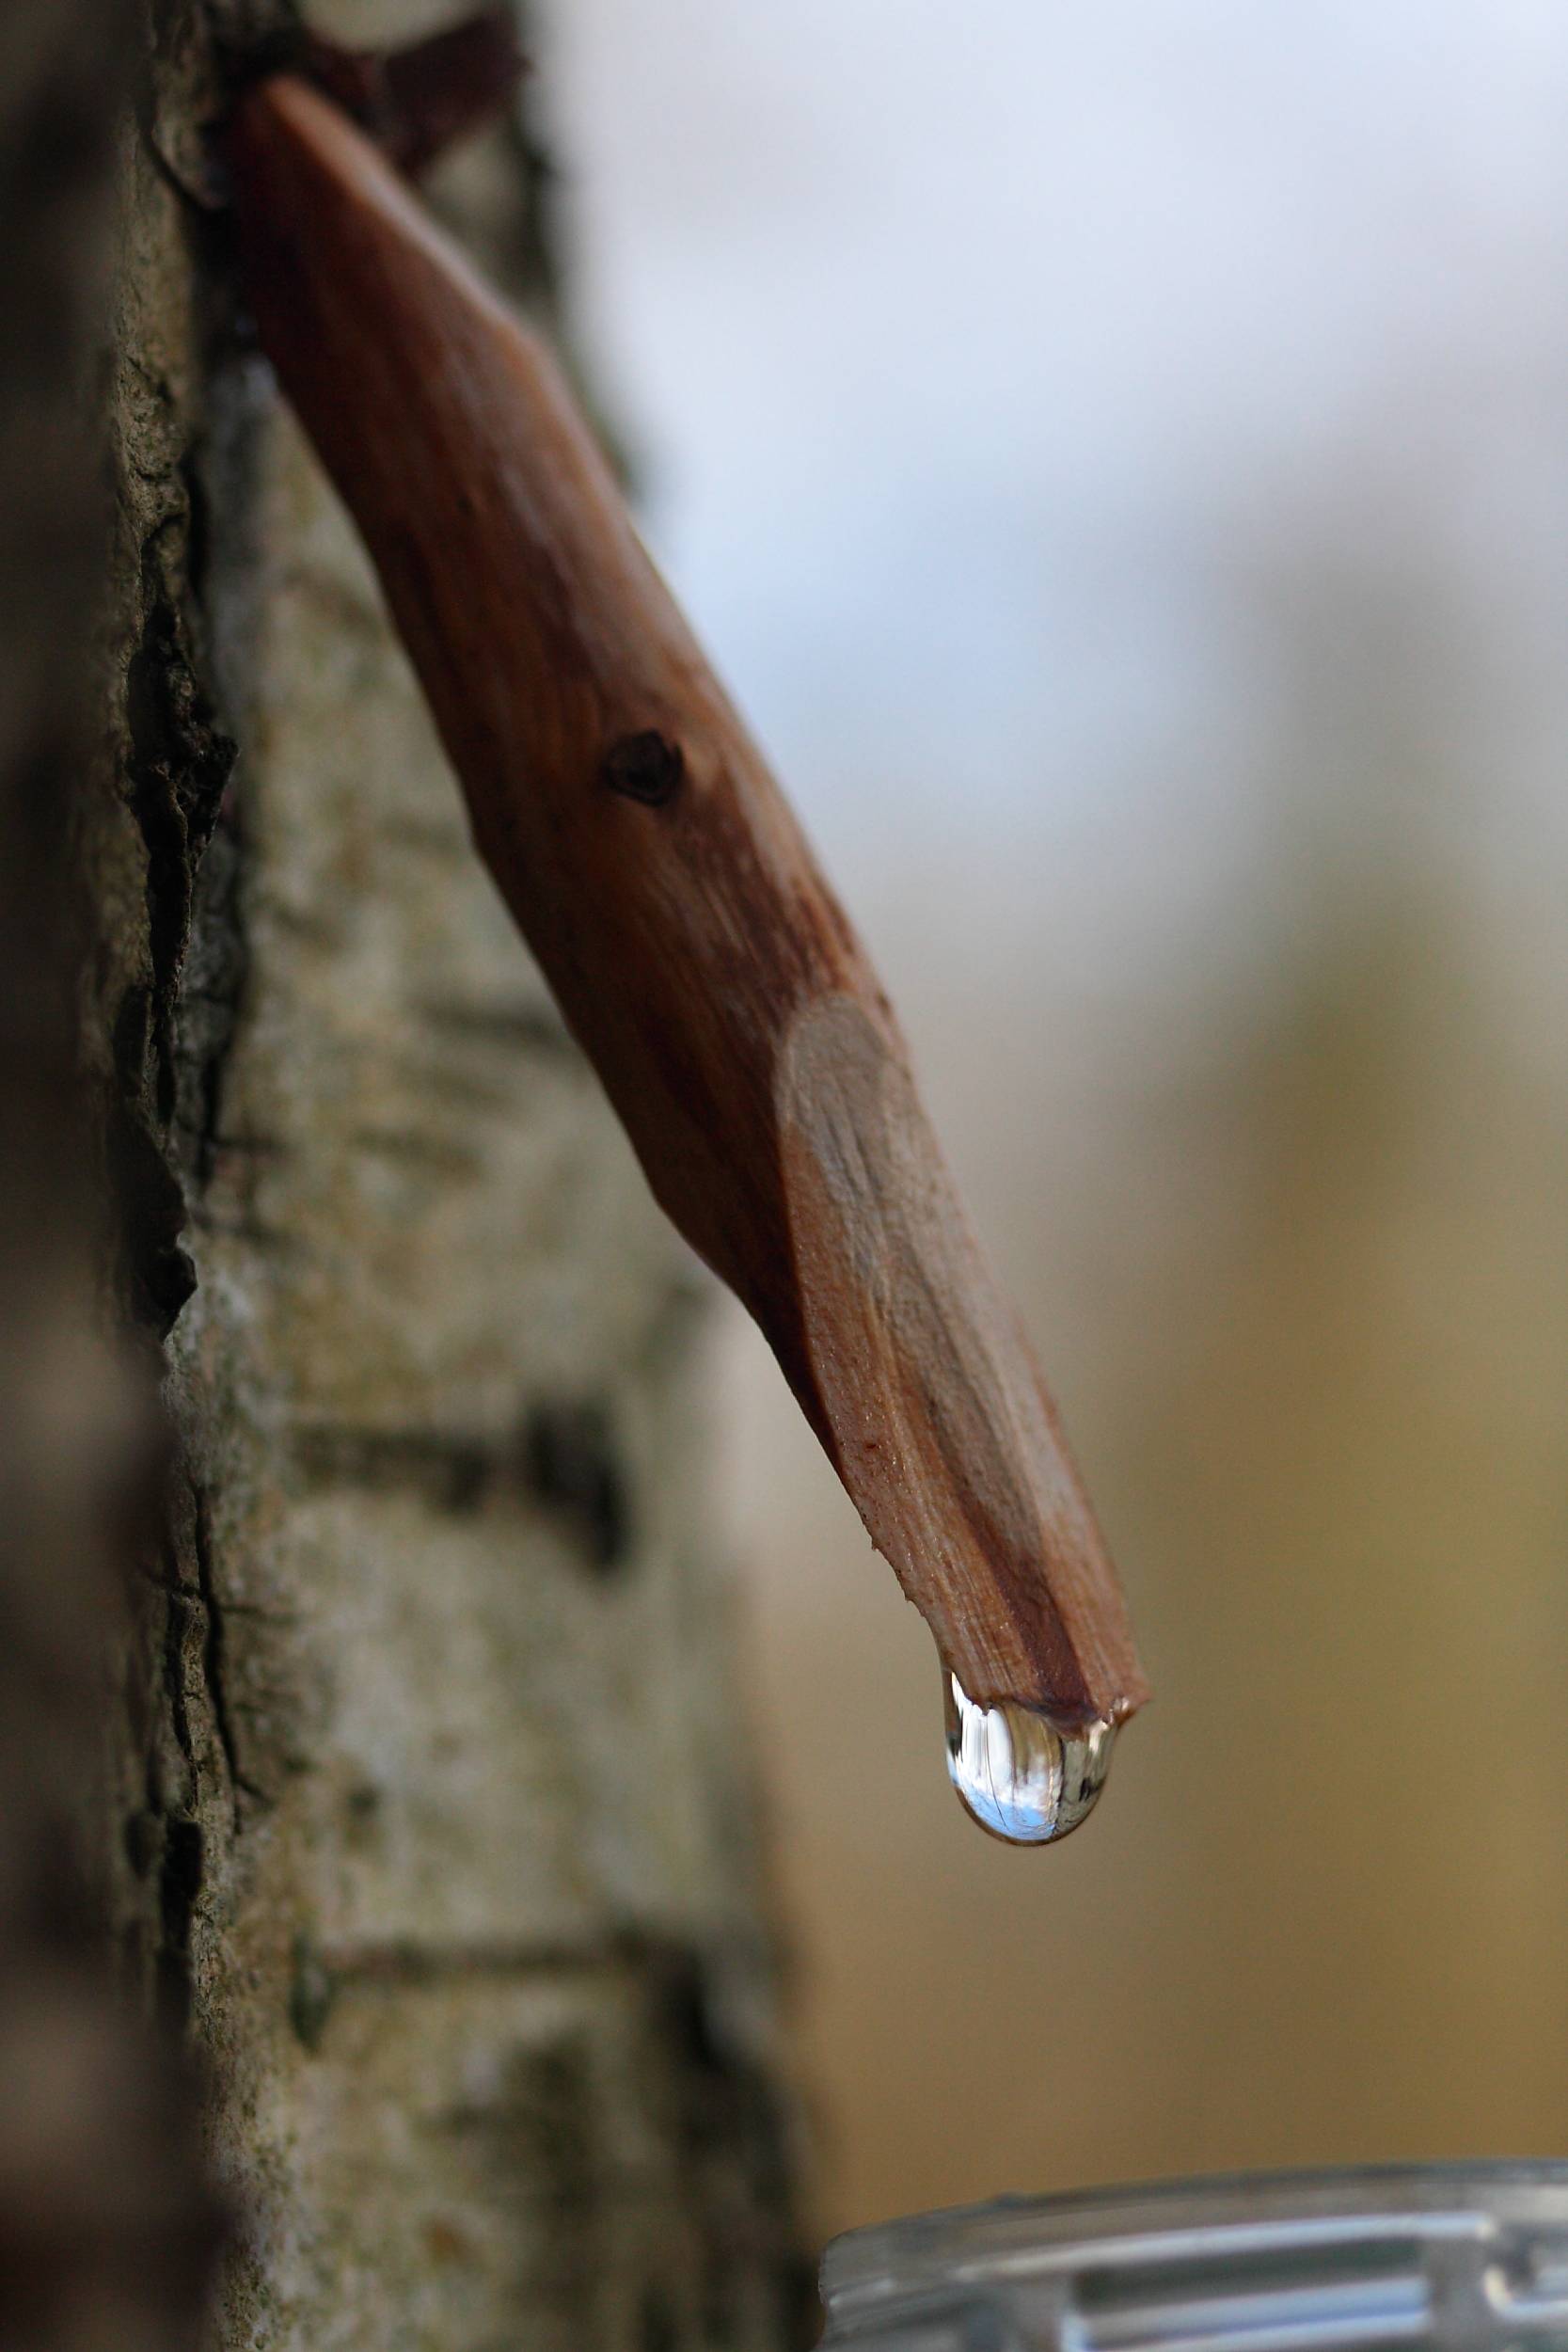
[179,761]
[565,1458]
[575,1468]
[213,1655]
[312,1994]
[533,1029]
[178,1888]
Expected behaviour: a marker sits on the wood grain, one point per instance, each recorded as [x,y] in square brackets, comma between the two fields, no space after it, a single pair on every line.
[675,907]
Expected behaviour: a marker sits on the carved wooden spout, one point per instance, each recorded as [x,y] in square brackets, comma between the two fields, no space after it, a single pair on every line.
[680,918]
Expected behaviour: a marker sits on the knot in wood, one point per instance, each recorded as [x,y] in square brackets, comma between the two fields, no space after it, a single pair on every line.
[646,767]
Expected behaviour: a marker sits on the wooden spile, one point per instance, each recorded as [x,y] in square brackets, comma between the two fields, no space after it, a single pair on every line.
[679,915]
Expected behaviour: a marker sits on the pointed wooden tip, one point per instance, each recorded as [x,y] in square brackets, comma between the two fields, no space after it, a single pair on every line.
[942,1427]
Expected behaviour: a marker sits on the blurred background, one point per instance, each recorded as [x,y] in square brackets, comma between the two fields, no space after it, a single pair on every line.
[1119,457]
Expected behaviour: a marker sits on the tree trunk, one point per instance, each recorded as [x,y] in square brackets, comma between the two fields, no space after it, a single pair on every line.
[419,1809]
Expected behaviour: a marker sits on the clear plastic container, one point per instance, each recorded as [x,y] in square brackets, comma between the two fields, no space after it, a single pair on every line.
[1464,2258]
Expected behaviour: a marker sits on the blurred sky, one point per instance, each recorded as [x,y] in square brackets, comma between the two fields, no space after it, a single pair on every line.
[1118,456]
[972,353]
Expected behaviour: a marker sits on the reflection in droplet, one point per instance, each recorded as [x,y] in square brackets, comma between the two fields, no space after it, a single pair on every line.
[1018,1774]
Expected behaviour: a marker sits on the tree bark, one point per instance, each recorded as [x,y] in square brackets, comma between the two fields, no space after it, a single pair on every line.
[106,2226]
[419,1809]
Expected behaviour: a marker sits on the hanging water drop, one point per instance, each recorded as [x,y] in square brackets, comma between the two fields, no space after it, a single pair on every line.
[1019,1776]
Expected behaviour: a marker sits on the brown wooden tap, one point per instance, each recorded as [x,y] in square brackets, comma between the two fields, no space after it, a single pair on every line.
[659,875]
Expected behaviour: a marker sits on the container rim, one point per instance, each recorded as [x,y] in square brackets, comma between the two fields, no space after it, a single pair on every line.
[1206,2217]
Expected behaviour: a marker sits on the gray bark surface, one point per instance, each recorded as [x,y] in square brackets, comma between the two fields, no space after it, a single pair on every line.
[416,1798]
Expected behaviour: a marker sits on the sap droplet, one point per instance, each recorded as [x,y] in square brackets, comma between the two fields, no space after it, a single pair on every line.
[1019,1776]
